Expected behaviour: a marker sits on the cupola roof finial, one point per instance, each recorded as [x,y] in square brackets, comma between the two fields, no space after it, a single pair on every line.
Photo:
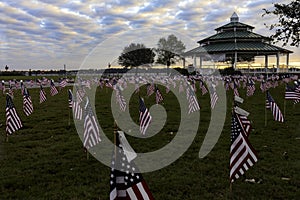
[234,17]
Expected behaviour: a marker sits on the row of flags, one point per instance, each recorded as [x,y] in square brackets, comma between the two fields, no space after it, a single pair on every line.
[13,121]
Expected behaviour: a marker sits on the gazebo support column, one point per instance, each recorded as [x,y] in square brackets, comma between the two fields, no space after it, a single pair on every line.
[201,61]
[287,61]
[277,61]
[183,63]
[235,60]
[266,63]
[195,61]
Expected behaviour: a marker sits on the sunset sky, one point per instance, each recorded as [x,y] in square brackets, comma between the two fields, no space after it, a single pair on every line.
[47,34]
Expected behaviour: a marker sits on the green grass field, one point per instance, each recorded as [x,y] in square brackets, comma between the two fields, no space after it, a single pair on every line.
[46,160]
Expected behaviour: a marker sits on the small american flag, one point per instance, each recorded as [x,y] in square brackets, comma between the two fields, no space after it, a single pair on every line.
[263,86]
[63,83]
[13,121]
[126,183]
[120,99]
[53,90]
[70,94]
[270,104]
[250,88]
[27,103]
[292,94]
[22,87]
[213,99]
[158,96]
[150,89]
[202,87]
[181,87]
[235,90]
[242,154]
[91,135]
[43,97]
[11,91]
[192,100]
[145,117]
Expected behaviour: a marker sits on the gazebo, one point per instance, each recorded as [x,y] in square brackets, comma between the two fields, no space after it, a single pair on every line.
[236,42]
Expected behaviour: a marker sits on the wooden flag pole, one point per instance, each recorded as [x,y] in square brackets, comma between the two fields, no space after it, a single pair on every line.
[87,154]
[69,123]
[265,116]
[6,139]
[266,111]
[284,107]
[115,138]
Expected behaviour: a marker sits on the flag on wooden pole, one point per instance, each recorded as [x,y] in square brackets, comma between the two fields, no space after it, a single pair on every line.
[13,121]
[53,90]
[270,104]
[158,96]
[242,154]
[192,100]
[126,182]
[70,94]
[27,103]
[145,117]
[43,97]
[91,135]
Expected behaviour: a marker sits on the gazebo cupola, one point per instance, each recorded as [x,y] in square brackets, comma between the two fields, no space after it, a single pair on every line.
[234,18]
[236,42]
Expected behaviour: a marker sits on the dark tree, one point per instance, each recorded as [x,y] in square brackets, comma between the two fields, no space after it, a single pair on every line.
[6,67]
[135,55]
[169,50]
[287,30]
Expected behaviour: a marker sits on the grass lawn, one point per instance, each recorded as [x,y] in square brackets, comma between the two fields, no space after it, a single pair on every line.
[46,160]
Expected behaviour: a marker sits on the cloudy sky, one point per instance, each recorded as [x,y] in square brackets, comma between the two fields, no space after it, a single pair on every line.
[47,34]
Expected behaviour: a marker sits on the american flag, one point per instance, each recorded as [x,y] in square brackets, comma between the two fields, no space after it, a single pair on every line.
[270,104]
[263,86]
[250,87]
[292,94]
[120,99]
[202,87]
[235,90]
[22,87]
[194,85]
[77,110]
[43,97]
[158,96]
[91,135]
[70,94]
[126,183]
[213,99]
[192,100]
[150,89]
[145,117]
[242,154]
[167,88]
[13,121]
[53,90]
[181,87]
[27,103]
[63,83]
[11,90]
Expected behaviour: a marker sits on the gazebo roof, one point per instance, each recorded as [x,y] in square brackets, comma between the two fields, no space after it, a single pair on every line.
[236,37]
[234,24]
[239,34]
[242,47]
